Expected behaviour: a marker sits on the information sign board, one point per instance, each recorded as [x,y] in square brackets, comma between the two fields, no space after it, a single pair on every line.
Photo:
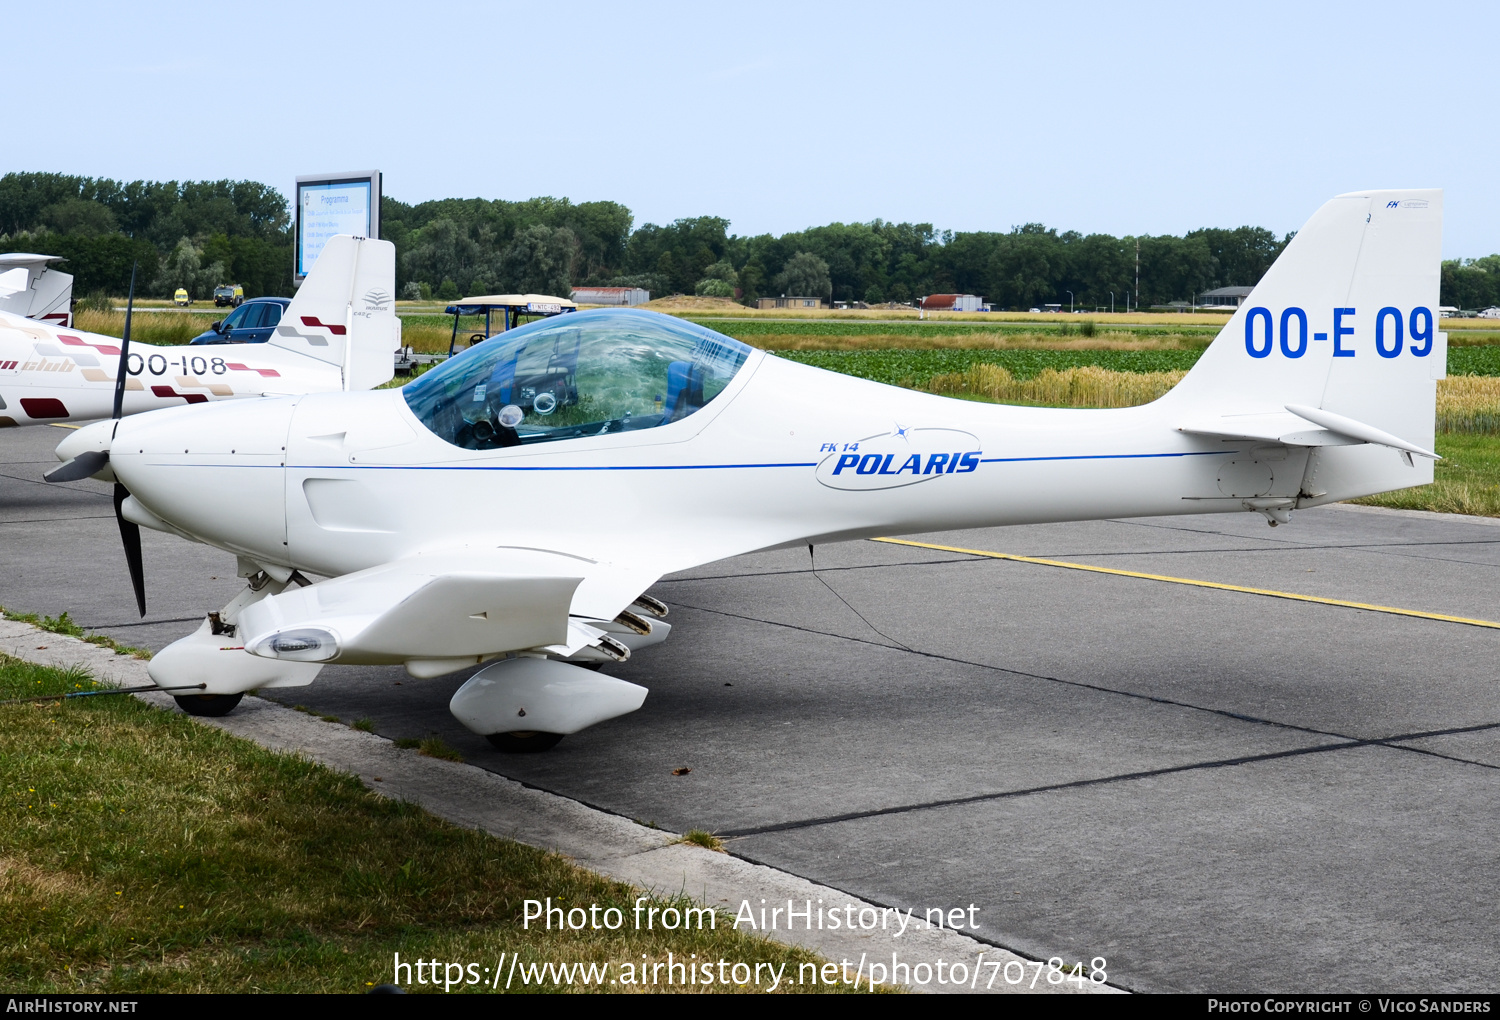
[329,204]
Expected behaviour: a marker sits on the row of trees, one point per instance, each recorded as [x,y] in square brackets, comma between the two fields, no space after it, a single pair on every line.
[1472,283]
[195,234]
[452,247]
[190,233]
[545,245]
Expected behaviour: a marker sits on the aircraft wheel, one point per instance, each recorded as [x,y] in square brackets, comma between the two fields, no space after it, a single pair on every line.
[524,742]
[207,704]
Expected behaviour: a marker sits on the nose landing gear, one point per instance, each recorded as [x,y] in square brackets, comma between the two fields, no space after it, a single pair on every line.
[524,741]
[210,705]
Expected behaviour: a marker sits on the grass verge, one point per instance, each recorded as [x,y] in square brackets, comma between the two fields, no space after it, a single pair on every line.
[63,625]
[1465,481]
[141,851]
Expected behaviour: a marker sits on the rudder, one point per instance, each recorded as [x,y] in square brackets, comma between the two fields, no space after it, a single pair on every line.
[345,311]
[1345,321]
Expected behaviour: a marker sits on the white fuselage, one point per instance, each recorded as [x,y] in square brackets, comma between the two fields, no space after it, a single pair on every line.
[50,374]
[787,454]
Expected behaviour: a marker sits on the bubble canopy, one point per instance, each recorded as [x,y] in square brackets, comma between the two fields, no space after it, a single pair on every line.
[586,374]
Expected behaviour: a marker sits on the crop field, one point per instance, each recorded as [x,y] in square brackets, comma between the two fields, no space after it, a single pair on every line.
[724,308]
[1483,360]
[949,333]
[165,328]
[143,852]
[1085,386]
[916,368]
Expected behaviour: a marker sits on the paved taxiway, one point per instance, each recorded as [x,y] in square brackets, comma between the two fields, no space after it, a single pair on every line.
[1211,789]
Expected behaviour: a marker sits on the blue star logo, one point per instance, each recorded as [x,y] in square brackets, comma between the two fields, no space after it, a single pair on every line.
[901,431]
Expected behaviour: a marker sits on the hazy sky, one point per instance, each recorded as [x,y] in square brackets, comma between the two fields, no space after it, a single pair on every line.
[1122,118]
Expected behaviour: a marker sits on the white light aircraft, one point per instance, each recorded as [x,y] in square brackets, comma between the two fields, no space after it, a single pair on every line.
[513,505]
[340,332]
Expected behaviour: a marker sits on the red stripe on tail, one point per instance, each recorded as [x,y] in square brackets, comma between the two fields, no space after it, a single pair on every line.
[312,320]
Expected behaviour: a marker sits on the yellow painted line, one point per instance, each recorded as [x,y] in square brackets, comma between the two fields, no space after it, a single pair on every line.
[57,426]
[1270,592]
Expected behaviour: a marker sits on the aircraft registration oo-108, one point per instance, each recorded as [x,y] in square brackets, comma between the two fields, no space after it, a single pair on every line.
[605,449]
[340,332]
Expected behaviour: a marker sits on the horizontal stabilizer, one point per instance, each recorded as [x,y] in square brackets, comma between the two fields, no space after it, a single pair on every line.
[1358,430]
[31,288]
[1269,427]
[1290,428]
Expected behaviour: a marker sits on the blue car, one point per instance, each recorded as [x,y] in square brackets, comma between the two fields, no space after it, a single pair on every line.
[250,323]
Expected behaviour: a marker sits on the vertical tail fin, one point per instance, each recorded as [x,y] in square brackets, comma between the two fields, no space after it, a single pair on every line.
[345,311]
[1344,322]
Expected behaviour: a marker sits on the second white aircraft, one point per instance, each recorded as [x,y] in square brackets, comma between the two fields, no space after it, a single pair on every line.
[339,333]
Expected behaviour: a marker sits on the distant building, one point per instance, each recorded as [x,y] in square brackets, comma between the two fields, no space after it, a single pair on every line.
[611,295]
[1225,297]
[789,302]
[953,303]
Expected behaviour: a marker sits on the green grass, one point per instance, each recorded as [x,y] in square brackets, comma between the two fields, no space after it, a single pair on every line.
[141,851]
[1465,481]
[703,838]
[437,747]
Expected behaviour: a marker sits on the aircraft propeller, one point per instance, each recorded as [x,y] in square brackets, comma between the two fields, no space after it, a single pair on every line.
[91,462]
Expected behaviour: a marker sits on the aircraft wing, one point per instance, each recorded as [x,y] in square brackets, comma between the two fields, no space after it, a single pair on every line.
[443,606]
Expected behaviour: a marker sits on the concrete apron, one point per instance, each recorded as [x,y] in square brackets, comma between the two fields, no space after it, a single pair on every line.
[650,859]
